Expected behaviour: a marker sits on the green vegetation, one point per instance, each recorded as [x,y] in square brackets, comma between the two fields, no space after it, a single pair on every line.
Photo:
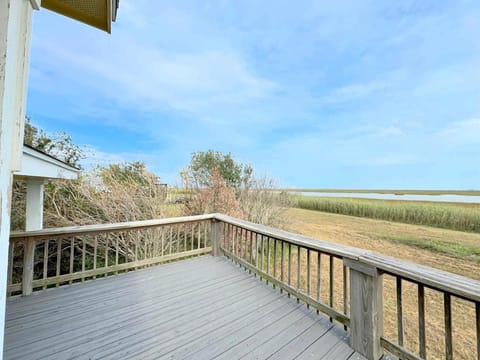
[218,183]
[198,174]
[454,216]
[438,246]
[396,192]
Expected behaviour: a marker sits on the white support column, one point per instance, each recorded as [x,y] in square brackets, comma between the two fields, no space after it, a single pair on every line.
[15,27]
[34,214]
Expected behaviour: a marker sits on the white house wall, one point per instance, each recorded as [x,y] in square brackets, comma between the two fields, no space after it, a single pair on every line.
[15,27]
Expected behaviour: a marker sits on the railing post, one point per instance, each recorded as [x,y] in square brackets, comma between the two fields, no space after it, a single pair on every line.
[366,309]
[28,259]
[216,234]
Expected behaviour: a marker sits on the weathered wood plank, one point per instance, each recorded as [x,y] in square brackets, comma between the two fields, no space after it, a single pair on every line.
[53,233]
[324,344]
[366,311]
[448,326]
[398,351]
[115,268]
[71,332]
[294,292]
[421,322]
[112,293]
[266,347]
[152,320]
[28,259]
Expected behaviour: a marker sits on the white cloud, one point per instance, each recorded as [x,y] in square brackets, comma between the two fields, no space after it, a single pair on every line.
[138,74]
[354,92]
[459,133]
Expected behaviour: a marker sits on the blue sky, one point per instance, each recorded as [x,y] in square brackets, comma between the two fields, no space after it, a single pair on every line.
[324,94]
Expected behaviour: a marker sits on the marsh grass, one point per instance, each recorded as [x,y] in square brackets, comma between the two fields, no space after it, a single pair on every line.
[453,216]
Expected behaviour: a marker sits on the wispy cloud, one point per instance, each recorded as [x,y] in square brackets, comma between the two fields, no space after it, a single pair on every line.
[459,133]
[354,92]
[340,93]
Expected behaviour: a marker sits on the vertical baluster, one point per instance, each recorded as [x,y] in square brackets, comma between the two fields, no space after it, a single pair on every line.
[477,310]
[240,242]
[72,256]
[146,243]
[256,251]
[263,252]
[319,276]
[268,255]
[170,240]
[95,244]
[199,236]
[289,264]
[11,254]
[282,261]
[185,237]
[192,236]
[136,246]
[45,262]
[448,326]
[205,237]
[345,292]
[154,233]
[225,236]
[331,264]
[162,241]
[399,311]
[59,255]
[243,236]
[421,321]
[106,253]
[274,259]
[309,279]
[84,250]
[251,246]
[233,239]
[299,285]
[116,253]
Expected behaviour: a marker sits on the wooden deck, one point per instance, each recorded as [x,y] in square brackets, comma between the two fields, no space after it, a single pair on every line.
[201,308]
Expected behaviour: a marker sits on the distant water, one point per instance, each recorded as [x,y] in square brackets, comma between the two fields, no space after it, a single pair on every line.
[437,198]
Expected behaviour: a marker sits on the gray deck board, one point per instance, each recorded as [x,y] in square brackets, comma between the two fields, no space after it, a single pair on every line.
[200,308]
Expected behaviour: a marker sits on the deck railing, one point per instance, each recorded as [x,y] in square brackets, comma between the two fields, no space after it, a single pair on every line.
[355,288]
[53,257]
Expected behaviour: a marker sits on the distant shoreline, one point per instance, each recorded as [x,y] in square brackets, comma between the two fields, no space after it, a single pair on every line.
[396,192]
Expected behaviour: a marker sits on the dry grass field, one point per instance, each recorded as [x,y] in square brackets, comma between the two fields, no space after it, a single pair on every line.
[406,242]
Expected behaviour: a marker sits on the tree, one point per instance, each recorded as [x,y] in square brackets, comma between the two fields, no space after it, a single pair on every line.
[218,197]
[217,183]
[59,144]
[199,172]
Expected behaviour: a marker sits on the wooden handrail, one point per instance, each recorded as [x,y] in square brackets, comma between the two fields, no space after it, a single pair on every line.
[295,239]
[52,233]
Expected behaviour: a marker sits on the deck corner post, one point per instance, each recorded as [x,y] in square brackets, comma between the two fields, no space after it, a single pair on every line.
[366,309]
[28,260]
[216,237]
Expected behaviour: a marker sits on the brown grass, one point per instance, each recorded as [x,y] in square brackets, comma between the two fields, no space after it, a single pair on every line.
[370,234]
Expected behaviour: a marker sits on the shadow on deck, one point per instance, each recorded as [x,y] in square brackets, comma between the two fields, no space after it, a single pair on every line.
[200,308]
